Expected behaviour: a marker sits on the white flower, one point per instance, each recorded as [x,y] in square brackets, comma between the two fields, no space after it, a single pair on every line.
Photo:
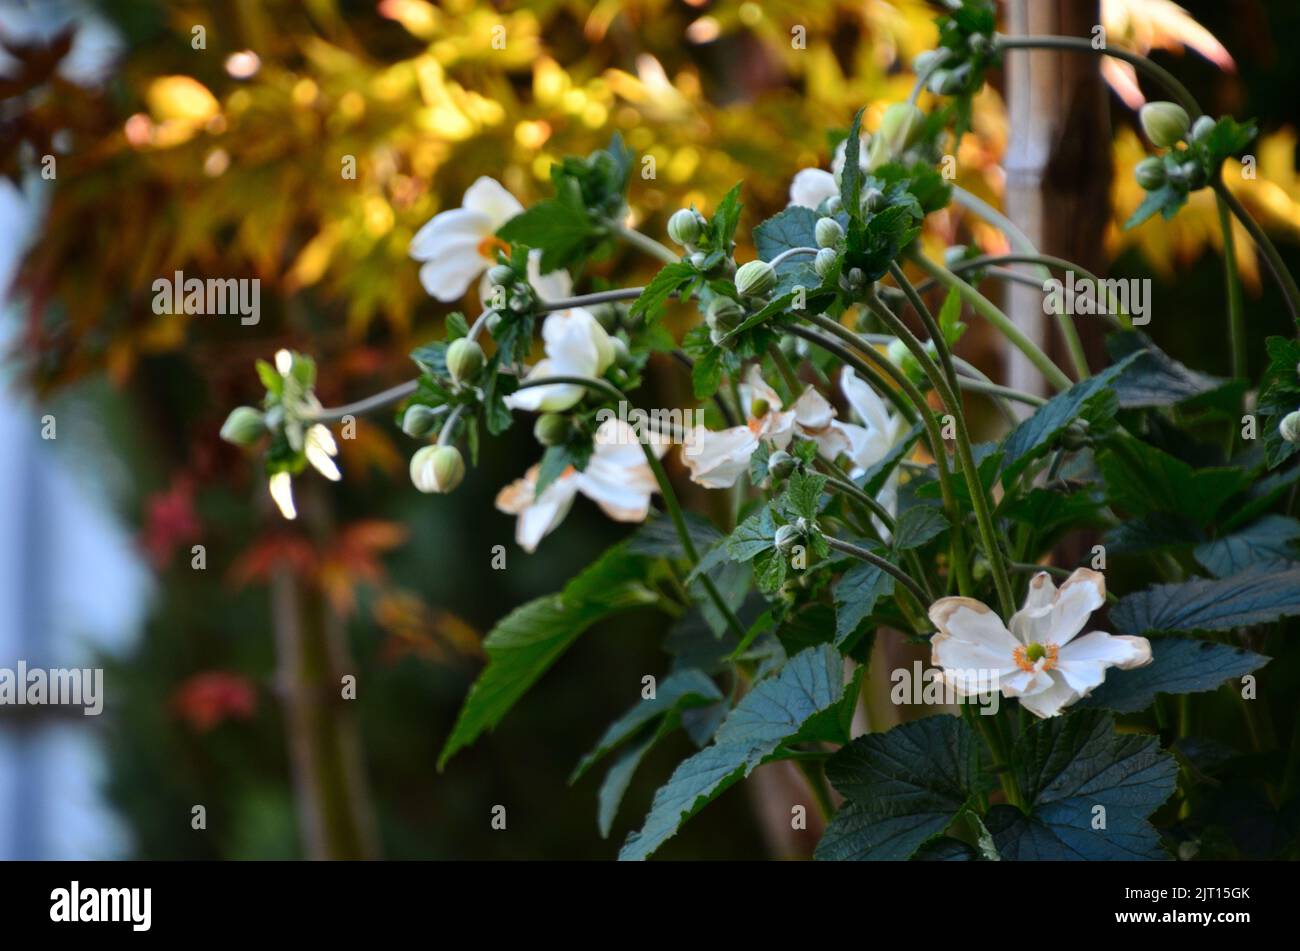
[281,487]
[617,478]
[717,459]
[1041,659]
[553,286]
[321,449]
[871,442]
[812,186]
[576,345]
[459,244]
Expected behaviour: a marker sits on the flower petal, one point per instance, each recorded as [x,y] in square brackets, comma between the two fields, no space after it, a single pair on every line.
[489,198]
[970,634]
[812,186]
[449,276]
[454,225]
[1081,594]
[551,398]
[1050,702]
[1084,660]
[1033,622]
[538,515]
[717,459]
[556,285]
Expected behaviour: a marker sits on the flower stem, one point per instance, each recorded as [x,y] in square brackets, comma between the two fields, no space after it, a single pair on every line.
[1236,317]
[643,242]
[883,564]
[986,309]
[393,394]
[1262,241]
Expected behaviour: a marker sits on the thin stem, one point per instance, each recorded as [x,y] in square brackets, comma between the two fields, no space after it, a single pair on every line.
[996,389]
[986,309]
[1236,316]
[394,394]
[688,544]
[789,253]
[1262,241]
[883,564]
[587,300]
[787,372]
[1021,241]
[643,242]
[448,431]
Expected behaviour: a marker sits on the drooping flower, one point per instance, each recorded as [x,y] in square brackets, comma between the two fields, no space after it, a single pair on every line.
[871,442]
[716,459]
[295,406]
[617,478]
[576,345]
[459,244]
[1041,659]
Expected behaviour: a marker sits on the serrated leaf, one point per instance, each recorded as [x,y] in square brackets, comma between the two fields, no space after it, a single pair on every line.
[753,535]
[795,227]
[1141,479]
[803,494]
[1154,378]
[917,525]
[1067,766]
[1178,665]
[1268,544]
[558,227]
[776,711]
[851,176]
[904,786]
[668,281]
[856,594]
[528,640]
[1205,604]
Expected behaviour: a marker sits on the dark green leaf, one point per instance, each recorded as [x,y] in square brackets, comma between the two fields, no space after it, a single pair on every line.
[1268,544]
[1178,665]
[918,525]
[1203,604]
[856,594]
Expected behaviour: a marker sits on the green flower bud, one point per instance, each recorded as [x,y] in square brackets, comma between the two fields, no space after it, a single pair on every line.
[903,358]
[1076,436]
[552,429]
[1165,123]
[437,469]
[1150,173]
[786,538]
[832,204]
[1194,174]
[243,426]
[1201,128]
[824,261]
[464,359]
[755,278]
[759,407]
[978,43]
[685,226]
[901,126]
[1289,428]
[872,199]
[828,232]
[724,314]
[698,258]
[419,420]
[501,275]
[781,464]
[622,355]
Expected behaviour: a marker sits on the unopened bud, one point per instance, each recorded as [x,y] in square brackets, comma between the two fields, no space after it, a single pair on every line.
[724,314]
[1164,123]
[501,275]
[786,538]
[552,429]
[685,226]
[464,359]
[824,261]
[901,126]
[1150,173]
[828,232]
[781,464]
[419,420]
[437,469]
[755,278]
[1201,128]
[1289,428]
[243,426]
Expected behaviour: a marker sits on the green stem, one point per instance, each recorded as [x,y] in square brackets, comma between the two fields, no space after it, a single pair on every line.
[643,242]
[1236,316]
[1262,241]
[1021,241]
[891,569]
[986,309]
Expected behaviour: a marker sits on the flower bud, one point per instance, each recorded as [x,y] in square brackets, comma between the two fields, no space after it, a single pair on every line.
[755,278]
[622,355]
[1165,123]
[758,408]
[501,275]
[1289,428]
[1150,173]
[872,199]
[832,204]
[724,314]
[786,538]
[437,469]
[903,358]
[464,359]
[828,232]
[419,420]
[824,261]
[901,126]
[552,429]
[685,226]
[1075,436]
[698,258]
[243,426]
[1194,174]
[1201,128]
[781,464]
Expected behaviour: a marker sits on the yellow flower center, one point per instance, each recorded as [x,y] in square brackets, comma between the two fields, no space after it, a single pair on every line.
[1028,656]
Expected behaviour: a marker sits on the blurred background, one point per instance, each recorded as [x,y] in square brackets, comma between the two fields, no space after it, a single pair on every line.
[142,137]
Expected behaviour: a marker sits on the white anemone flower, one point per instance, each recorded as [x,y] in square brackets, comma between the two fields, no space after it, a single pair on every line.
[812,186]
[1042,659]
[617,478]
[870,442]
[576,345]
[459,244]
[717,459]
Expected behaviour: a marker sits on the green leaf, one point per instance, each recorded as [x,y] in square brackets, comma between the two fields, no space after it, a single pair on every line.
[904,787]
[1178,665]
[1204,604]
[856,594]
[1154,378]
[1035,435]
[753,535]
[796,704]
[1141,478]
[670,279]
[678,691]
[722,226]
[803,494]
[1268,544]
[851,177]
[528,640]
[917,525]
[795,227]
[1166,200]
[1279,395]
[1068,766]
